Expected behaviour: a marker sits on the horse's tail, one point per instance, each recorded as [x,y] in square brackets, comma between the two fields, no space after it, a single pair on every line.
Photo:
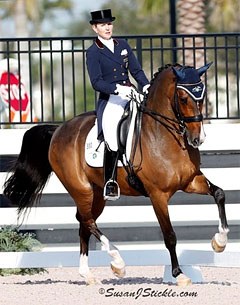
[32,169]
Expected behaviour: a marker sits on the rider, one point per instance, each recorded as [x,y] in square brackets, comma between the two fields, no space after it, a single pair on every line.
[108,62]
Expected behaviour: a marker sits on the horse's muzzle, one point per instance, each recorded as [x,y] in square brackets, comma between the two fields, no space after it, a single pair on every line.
[195,139]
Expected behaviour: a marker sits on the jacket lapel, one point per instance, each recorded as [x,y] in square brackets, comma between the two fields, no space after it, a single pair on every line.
[105,51]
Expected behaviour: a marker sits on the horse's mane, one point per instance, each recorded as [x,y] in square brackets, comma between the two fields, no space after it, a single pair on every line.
[165,68]
[162,69]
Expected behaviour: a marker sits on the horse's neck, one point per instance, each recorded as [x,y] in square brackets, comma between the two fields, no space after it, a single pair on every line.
[162,100]
[162,119]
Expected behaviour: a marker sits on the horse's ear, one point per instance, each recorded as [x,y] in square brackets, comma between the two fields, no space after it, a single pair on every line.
[179,73]
[203,69]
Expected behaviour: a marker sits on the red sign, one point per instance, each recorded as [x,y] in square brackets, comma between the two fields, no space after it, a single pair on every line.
[10,90]
[14,95]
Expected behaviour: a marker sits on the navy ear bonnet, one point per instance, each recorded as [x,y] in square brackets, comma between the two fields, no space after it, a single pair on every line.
[188,79]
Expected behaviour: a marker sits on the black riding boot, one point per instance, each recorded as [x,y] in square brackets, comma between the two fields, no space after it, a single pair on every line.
[111,189]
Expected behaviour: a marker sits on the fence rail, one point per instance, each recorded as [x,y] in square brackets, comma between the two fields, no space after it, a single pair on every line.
[119,219]
[54,222]
[54,74]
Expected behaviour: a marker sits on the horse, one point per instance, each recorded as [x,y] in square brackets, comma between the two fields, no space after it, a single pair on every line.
[166,159]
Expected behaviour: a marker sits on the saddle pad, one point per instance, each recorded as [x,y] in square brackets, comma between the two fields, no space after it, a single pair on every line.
[94,151]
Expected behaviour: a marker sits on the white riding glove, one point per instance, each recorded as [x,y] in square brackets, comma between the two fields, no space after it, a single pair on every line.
[124,92]
[145,88]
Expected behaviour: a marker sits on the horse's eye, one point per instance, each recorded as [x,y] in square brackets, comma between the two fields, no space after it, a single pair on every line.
[183,100]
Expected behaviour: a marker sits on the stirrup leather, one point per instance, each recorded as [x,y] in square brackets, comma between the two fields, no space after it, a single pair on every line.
[107,195]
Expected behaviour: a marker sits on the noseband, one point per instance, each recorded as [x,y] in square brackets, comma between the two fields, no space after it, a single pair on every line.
[181,119]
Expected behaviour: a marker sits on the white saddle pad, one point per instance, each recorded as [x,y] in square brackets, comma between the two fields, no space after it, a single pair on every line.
[94,151]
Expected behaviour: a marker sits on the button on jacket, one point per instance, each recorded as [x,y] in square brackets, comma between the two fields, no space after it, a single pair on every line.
[106,69]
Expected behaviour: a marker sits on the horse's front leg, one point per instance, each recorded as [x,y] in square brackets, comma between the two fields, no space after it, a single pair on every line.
[220,239]
[160,205]
[202,185]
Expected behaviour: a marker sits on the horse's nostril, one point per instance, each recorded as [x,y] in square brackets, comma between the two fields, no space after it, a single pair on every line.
[196,142]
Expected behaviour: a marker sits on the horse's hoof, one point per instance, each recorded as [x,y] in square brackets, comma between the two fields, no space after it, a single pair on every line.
[183,281]
[118,272]
[216,247]
[89,278]
[92,281]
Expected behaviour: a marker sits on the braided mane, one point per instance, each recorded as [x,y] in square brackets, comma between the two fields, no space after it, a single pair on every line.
[161,69]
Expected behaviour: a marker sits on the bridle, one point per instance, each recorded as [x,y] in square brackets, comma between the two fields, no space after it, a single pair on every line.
[170,123]
[176,125]
[181,119]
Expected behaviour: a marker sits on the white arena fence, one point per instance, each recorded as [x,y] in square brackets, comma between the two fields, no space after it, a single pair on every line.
[221,165]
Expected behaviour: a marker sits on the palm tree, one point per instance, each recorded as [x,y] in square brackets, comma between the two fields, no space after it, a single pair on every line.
[225,15]
[152,6]
[191,20]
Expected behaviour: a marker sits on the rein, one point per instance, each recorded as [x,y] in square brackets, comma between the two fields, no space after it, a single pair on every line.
[180,119]
[169,123]
[158,116]
[142,108]
[175,124]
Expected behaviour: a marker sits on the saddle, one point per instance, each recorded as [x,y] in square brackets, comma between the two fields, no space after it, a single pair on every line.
[123,129]
[128,128]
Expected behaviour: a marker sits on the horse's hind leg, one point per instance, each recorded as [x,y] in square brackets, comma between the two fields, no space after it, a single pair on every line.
[202,185]
[88,227]
[84,269]
[117,264]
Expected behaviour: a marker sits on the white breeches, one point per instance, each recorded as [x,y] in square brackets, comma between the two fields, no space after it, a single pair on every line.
[111,116]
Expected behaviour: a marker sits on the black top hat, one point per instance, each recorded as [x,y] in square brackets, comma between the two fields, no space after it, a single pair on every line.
[101,16]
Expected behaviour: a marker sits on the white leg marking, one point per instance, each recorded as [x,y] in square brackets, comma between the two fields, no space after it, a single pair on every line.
[84,270]
[117,262]
[83,265]
[105,243]
[221,237]
[221,229]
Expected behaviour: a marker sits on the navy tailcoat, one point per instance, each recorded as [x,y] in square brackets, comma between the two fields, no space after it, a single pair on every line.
[106,69]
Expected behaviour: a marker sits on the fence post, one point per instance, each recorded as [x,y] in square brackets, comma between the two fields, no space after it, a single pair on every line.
[173,29]
[139,49]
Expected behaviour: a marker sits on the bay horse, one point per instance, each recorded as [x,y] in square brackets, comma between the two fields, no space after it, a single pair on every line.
[166,159]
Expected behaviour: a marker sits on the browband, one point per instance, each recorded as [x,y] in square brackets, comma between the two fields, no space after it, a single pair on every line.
[196,91]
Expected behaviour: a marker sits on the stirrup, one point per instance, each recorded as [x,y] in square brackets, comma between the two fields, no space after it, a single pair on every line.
[115,185]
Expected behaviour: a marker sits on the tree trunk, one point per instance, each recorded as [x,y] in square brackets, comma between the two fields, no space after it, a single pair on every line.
[191,20]
[20,19]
